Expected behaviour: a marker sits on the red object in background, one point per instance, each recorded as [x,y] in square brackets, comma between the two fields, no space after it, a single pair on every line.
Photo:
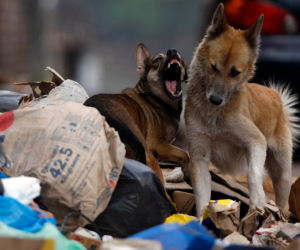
[243,13]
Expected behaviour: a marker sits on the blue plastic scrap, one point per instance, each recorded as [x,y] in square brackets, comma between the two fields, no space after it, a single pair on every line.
[2,175]
[16,215]
[191,236]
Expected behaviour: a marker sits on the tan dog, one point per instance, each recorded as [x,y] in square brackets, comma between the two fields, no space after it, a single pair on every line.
[239,126]
[147,116]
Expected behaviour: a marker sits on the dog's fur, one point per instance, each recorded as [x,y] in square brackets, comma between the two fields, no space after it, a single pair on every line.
[238,126]
[147,116]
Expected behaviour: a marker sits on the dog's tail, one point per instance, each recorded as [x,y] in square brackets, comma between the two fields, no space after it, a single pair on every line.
[291,113]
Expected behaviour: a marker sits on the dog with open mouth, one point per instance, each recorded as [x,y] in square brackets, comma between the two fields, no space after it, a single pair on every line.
[147,117]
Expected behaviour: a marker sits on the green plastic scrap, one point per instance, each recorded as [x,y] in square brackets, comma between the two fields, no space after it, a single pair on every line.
[49,231]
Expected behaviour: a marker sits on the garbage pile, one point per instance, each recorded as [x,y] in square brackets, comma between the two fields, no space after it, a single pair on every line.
[65,184]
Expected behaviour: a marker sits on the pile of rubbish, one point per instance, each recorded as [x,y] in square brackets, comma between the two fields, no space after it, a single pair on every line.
[65,184]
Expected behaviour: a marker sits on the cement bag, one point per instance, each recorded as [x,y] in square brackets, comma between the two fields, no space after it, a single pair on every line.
[72,150]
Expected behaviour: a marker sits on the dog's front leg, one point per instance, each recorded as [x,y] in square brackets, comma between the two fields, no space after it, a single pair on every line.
[167,152]
[200,149]
[256,157]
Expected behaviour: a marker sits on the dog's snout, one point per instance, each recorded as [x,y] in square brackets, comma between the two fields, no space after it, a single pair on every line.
[215,100]
[171,52]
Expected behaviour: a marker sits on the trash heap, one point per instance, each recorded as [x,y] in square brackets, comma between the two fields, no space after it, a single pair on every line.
[65,184]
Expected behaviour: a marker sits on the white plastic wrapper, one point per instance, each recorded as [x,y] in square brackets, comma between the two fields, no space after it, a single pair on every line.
[22,188]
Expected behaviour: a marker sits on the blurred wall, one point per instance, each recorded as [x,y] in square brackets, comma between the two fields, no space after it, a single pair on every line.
[92,42]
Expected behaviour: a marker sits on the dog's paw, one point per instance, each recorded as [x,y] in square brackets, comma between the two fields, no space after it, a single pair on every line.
[176,175]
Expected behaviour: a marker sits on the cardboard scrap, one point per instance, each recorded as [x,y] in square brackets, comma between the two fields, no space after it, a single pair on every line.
[87,242]
[279,243]
[72,150]
[56,78]
[10,243]
[56,91]
[255,218]
[25,99]
[242,180]
[43,88]
[68,91]
[236,237]
[272,214]
[248,225]
[219,184]
[39,88]
[295,245]
[185,202]
[228,192]
[225,218]
[182,195]
[227,181]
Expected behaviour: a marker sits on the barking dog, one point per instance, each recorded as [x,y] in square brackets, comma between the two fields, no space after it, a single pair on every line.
[147,116]
[239,126]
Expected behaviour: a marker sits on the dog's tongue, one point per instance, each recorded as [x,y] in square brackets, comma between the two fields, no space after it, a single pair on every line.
[171,86]
[174,61]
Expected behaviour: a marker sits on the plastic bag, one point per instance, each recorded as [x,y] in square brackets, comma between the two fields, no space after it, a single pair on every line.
[5,161]
[191,236]
[180,218]
[138,202]
[9,100]
[22,188]
[118,244]
[19,216]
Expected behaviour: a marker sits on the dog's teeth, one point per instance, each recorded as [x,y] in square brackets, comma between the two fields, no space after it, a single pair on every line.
[172,93]
[169,65]
[180,92]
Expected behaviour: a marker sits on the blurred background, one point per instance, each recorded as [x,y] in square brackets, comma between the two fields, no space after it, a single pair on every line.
[94,42]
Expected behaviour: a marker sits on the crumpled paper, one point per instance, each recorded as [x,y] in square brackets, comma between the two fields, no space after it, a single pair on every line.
[227,219]
[236,237]
[256,218]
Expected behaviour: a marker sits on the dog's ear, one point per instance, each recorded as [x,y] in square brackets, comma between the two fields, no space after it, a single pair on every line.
[219,23]
[185,77]
[252,34]
[142,54]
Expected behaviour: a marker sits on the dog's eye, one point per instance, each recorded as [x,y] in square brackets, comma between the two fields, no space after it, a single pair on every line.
[234,72]
[214,68]
[157,60]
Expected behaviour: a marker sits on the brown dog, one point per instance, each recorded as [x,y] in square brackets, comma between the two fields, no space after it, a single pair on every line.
[240,127]
[147,116]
